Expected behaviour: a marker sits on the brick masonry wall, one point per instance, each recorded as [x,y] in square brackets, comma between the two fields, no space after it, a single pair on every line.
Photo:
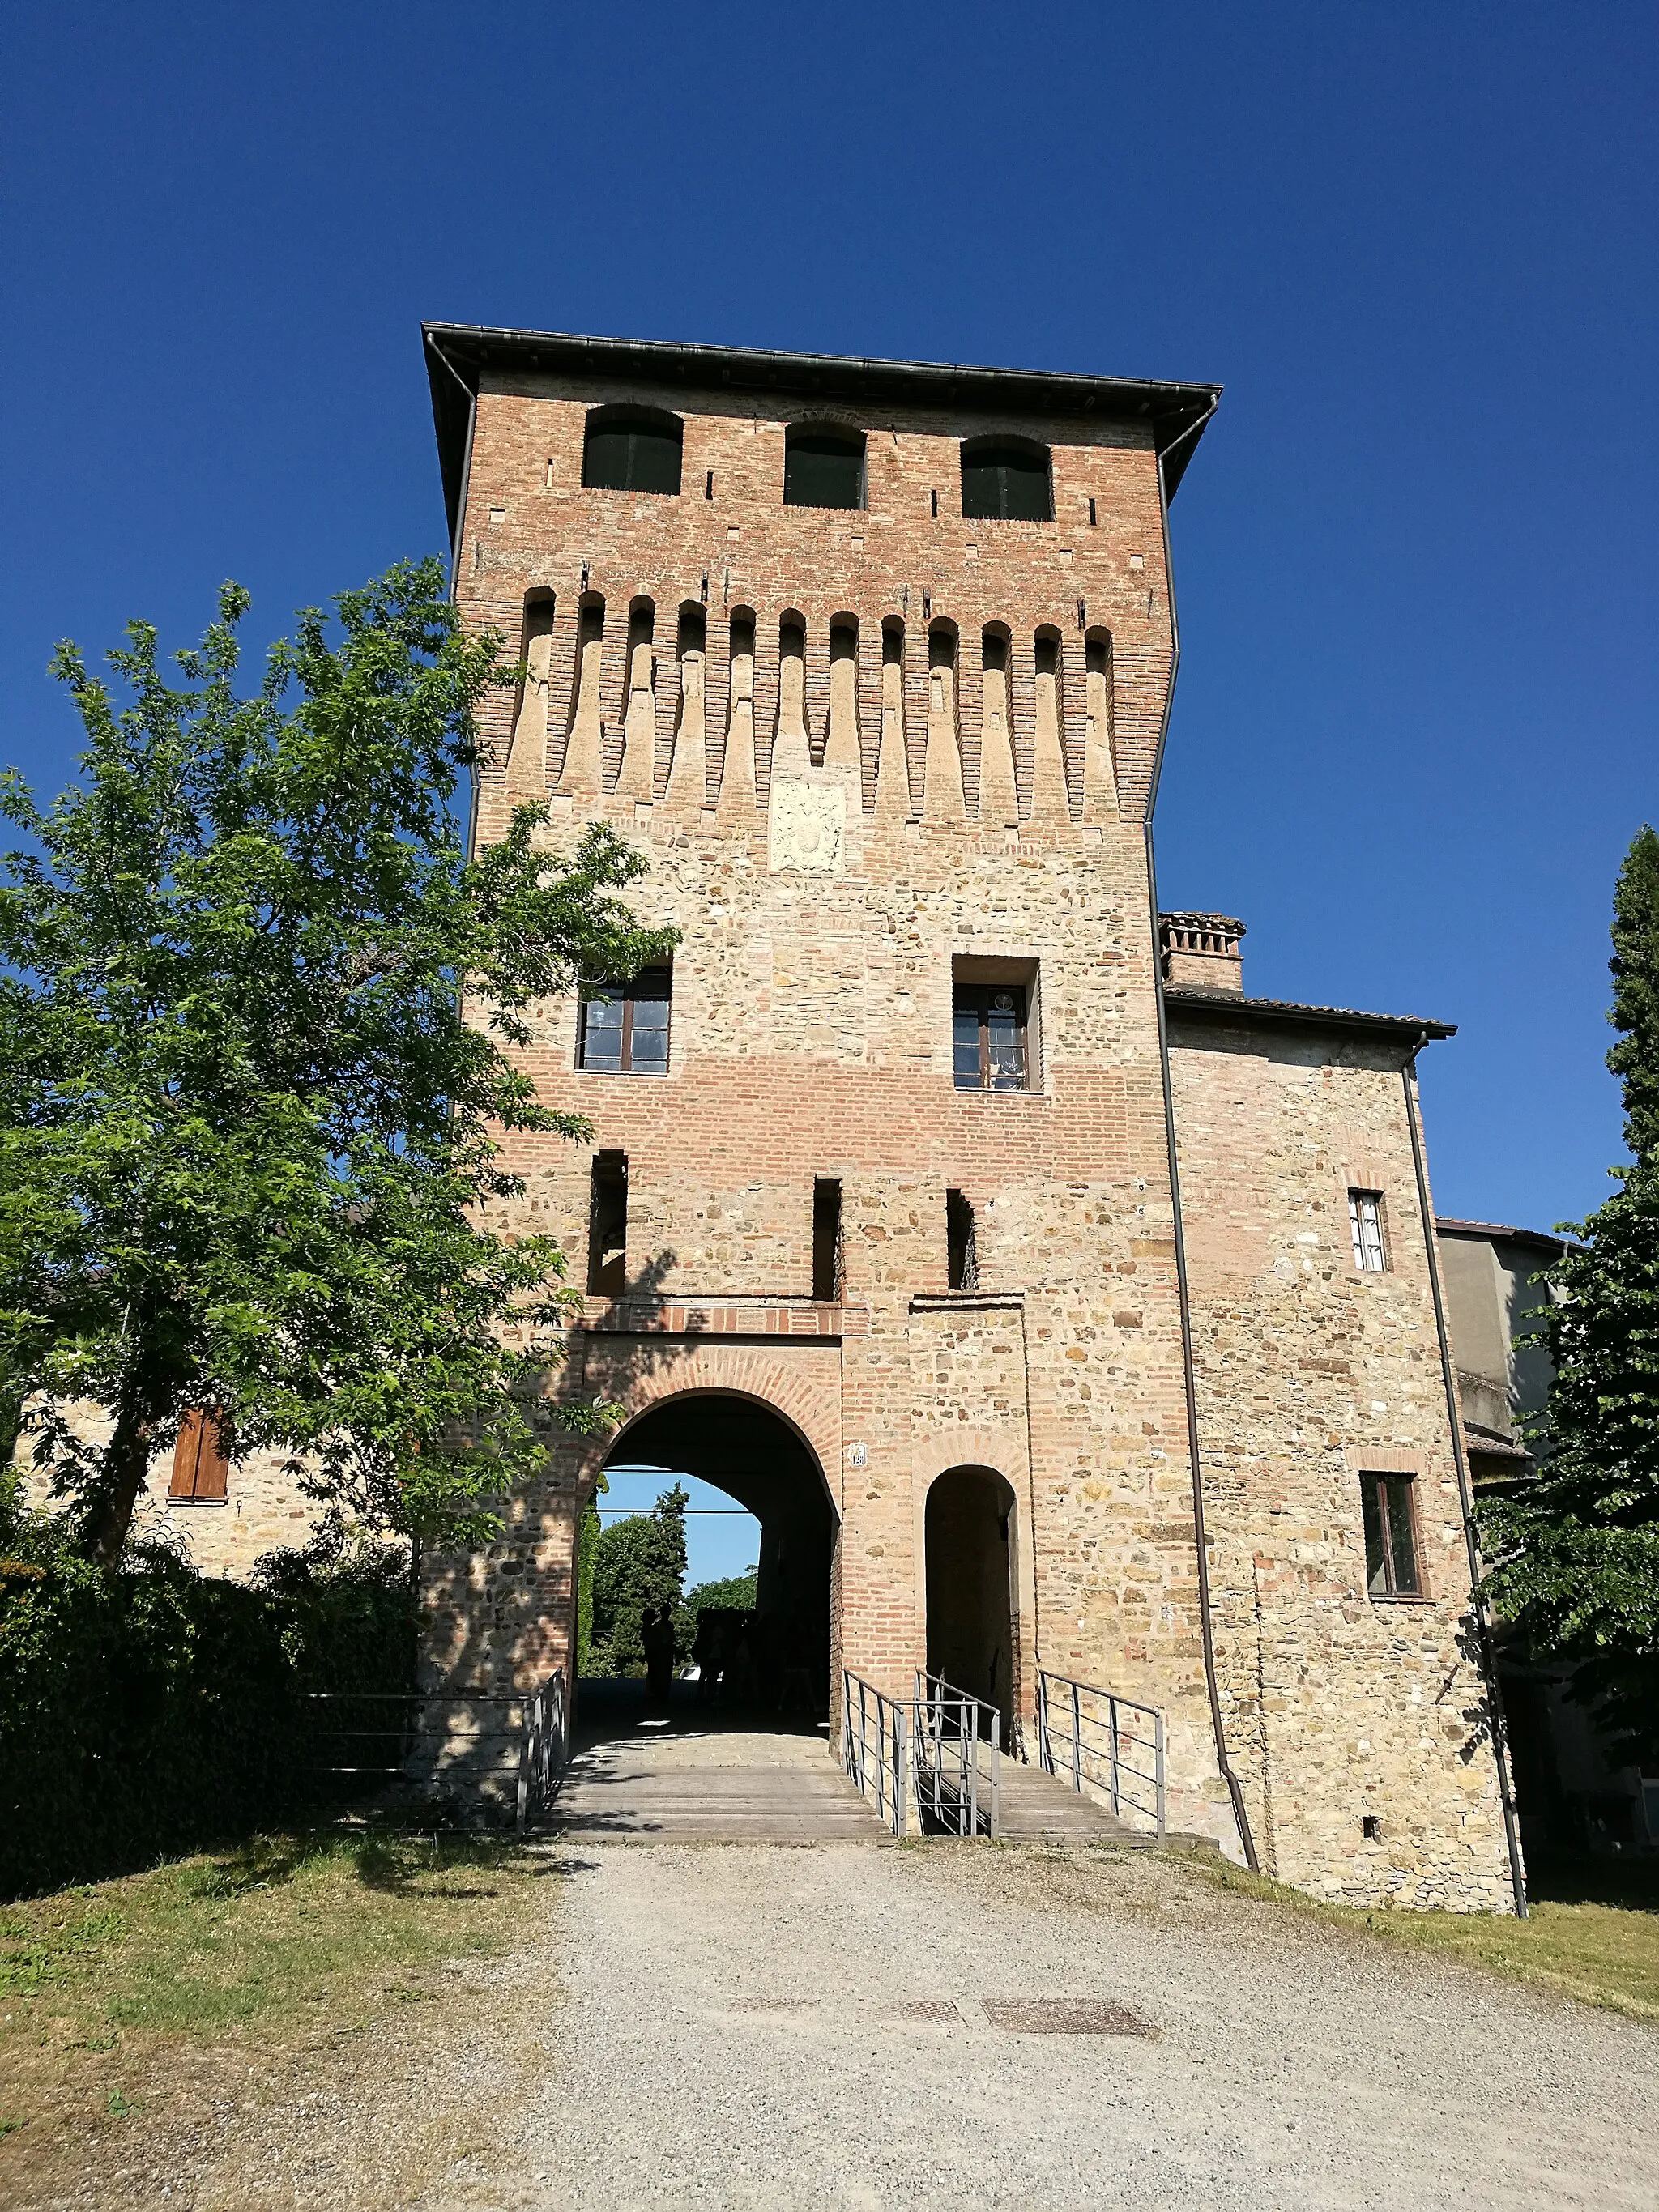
[1338,1705]
[812,1011]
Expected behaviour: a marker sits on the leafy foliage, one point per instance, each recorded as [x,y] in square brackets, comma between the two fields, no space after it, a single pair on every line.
[1579,1545]
[257,1016]
[587,1536]
[639,1563]
[151,1709]
[727,1594]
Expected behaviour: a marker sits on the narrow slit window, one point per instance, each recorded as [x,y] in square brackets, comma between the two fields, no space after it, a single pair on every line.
[1389,1506]
[709,485]
[932,497]
[624,1025]
[201,1466]
[1365,1229]
[827,1276]
[1094,519]
[607,1237]
[989,1036]
[961,1254]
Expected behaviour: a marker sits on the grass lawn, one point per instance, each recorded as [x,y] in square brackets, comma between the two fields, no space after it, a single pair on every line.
[110,1993]
[1593,1933]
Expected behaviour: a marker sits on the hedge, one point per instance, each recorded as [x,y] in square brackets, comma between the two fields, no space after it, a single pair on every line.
[154,1710]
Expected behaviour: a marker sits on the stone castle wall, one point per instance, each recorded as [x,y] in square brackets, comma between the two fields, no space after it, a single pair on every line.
[812,1002]
[1339,1706]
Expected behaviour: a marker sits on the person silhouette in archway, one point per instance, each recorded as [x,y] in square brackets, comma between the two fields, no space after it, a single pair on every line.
[657,1634]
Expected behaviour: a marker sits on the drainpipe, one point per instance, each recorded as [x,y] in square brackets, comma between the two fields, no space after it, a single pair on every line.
[1477,1601]
[1200,1543]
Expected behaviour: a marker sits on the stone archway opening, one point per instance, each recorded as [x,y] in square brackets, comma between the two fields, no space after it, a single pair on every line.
[971,1608]
[779,1665]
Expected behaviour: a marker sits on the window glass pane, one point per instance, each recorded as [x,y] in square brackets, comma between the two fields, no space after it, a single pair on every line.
[964,1031]
[1376,1565]
[602,1028]
[823,471]
[650,1053]
[1365,1229]
[1401,1545]
[1005,1028]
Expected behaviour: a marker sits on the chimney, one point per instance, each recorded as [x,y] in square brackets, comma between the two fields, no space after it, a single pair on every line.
[1200,951]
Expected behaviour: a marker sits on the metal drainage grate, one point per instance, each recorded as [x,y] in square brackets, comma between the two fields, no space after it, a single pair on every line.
[771,2004]
[1064,2016]
[933,2009]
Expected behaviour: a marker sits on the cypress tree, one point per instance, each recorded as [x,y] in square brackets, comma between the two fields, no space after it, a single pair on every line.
[1577,1546]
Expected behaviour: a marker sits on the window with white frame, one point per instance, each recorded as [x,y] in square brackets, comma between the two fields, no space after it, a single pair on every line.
[1365,1227]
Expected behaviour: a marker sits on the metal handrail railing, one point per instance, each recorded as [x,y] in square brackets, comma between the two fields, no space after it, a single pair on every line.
[920,1755]
[948,1781]
[545,1748]
[1098,1736]
[873,1734]
[368,1741]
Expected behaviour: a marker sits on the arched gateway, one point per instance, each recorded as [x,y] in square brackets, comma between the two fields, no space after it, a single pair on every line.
[758,1456]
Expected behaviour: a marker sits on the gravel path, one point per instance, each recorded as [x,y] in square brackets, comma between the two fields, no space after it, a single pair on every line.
[734,2033]
[805,2029]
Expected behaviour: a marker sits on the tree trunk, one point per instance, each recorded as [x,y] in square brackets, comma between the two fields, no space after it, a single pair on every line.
[126,1464]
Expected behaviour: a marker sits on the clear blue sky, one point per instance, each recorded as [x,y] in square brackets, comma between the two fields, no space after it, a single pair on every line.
[1416,551]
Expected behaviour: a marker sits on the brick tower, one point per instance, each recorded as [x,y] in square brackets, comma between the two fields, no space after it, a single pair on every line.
[872,662]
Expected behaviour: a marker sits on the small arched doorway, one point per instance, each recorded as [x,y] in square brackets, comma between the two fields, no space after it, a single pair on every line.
[969,1538]
[743,1447]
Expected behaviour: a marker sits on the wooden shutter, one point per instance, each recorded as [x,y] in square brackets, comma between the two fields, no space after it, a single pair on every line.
[200,1468]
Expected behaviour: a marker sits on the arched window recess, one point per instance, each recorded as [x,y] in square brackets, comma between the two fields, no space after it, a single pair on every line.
[632,449]
[822,466]
[1007,479]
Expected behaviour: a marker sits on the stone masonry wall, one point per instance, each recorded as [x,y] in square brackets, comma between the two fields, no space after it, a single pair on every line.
[812,995]
[1338,1705]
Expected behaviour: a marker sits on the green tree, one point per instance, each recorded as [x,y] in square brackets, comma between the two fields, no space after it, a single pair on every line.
[248,1155]
[728,1594]
[1577,1546]
[588,1528]
[639,1563]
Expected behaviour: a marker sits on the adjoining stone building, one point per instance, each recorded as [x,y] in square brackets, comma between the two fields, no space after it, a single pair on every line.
[879,1226]
[1573,1792]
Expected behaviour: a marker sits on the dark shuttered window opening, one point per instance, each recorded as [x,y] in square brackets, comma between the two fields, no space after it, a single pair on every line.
[200,1468]
[607,1226]
[823,468]
[1007,483]
[989,1026]
[624,1026]
[1389,1505]
[627,449]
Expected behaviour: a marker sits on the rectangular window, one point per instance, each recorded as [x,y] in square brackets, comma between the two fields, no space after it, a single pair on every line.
[1390,1536]
[826,1240]
[989,1036]
[961,1259]
[607,1234]
[624,1029]
[1365,1227]
[200,1467]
